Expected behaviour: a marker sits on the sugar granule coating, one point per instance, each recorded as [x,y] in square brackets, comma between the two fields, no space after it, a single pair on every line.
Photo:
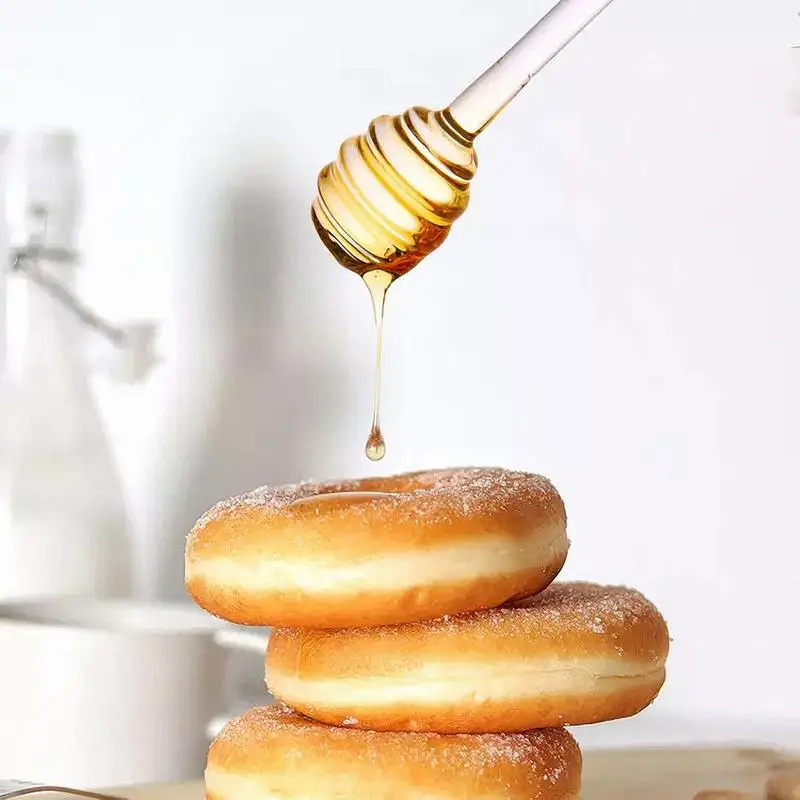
[454,493]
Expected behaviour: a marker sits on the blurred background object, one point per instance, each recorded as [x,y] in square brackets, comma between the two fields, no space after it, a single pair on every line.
[65,526]
[100,691]
[4,251]
[620,309]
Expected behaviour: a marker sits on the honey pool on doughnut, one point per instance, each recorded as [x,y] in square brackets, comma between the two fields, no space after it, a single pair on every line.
[377,551]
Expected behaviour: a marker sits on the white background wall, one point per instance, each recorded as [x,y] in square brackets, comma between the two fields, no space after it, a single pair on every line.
[618,309]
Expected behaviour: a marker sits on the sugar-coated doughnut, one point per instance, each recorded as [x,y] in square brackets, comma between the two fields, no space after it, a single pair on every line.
[377,551]
[268,754]
[574,654]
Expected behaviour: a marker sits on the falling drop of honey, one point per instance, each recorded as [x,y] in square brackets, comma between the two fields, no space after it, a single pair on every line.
[376,445]
[378,282]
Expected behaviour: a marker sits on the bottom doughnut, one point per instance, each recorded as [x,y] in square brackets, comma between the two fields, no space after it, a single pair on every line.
[274,754]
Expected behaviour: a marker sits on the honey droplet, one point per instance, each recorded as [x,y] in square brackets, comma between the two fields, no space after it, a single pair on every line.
[376,446]
[378,282]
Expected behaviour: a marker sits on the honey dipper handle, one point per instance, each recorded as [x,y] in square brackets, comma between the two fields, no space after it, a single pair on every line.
[481,102]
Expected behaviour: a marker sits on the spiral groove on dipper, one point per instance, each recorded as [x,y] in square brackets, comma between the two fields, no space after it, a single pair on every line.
[392,194]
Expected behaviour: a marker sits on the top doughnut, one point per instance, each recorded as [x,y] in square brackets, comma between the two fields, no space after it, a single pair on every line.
[377,551]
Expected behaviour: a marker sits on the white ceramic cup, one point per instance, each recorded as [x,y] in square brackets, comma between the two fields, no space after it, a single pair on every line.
[254,641]
[107,693]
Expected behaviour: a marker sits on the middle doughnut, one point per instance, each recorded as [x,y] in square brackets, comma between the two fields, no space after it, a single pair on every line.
[574,654]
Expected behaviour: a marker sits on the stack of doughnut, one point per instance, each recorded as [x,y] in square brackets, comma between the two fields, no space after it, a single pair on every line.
[420,647]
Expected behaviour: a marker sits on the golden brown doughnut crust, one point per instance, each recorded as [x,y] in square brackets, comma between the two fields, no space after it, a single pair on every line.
[574,654]
[270,754]
[377,551]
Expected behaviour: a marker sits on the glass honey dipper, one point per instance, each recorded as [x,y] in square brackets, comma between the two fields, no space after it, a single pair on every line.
[393,192]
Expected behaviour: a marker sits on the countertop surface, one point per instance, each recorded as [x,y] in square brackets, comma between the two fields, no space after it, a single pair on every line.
[648,773]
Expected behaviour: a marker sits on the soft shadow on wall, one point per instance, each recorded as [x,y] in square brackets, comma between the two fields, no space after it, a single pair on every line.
[253,390]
